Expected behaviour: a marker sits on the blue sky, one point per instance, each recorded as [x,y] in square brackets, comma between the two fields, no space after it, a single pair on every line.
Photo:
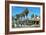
[18,10]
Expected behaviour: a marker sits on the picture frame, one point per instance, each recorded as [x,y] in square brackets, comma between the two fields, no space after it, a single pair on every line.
[18,30]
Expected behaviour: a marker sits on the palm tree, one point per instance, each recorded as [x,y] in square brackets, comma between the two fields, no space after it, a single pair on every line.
[25,13]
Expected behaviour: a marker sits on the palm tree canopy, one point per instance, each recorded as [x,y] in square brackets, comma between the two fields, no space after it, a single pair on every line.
[26,11]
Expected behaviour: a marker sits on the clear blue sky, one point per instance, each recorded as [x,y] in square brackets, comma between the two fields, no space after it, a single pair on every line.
[18,10]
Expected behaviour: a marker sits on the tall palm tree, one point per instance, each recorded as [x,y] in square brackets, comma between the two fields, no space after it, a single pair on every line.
[25,13]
